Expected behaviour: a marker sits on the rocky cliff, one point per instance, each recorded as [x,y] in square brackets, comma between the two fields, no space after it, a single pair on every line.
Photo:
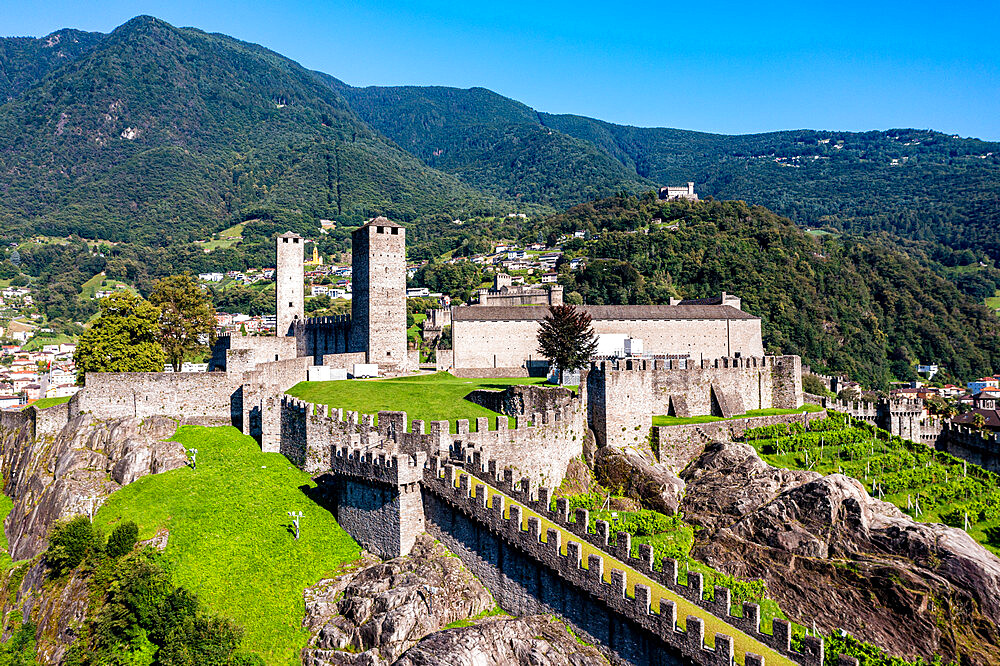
[395,612]
[832,555]
[53,476]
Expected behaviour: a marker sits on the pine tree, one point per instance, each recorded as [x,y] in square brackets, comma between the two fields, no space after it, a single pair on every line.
[566,338]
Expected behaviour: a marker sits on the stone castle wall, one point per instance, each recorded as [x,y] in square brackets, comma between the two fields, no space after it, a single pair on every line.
[539,446]
[511,343]
[678,445]
[320,336]
[528,575]
[903,417]
[978,447]
[623,396]
[205,395]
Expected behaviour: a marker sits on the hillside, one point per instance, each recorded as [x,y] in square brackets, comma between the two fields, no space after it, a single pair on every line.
[845,305]
[160,134]
[918,184]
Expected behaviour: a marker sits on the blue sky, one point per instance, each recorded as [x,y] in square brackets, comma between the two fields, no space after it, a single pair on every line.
[716,67]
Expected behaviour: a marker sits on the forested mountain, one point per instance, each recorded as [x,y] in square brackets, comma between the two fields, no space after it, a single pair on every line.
[25,60]
[915,183]
[845,305]
[159,135]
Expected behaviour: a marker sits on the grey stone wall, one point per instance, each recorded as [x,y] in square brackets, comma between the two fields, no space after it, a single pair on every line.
[540,445]
[321,336]
[528,575]
[521,400]
[344,361]
[207,395]
[979,448]
[377,499]
[679,444]
[624,395]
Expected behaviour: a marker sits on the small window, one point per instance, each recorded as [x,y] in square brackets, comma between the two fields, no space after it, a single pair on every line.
[284,240]
[275,357]
[380,230]
[290,304]
[295,240]
[395,231]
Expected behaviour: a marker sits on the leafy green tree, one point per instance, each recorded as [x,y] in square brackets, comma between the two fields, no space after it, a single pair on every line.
[124,338]
[978,421]
[186,317]
[566,338]
[70,543]
[122,539]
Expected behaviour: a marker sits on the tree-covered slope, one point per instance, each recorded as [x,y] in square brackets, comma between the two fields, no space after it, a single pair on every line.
[853,306]
[491,142]
[160,134]
[25,60]
[918,184]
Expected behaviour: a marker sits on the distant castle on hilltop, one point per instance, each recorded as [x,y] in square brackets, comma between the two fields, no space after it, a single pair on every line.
[676,193]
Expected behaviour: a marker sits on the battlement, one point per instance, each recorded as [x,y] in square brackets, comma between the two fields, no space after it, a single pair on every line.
[654,612]
[541,443]
[682,364]
[379,466]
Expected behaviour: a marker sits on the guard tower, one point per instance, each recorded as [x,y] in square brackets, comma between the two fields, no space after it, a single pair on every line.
[289,291]
[378,305]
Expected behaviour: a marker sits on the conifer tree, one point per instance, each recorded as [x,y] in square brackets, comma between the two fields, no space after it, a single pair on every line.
[566,338]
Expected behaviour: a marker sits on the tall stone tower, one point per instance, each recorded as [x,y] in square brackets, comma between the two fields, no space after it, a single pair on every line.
[378,304]
[289,296]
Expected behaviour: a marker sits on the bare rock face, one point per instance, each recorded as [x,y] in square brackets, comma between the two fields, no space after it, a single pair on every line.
[48,479]
[379,611]
[830,553]
[653,485]
[536,640]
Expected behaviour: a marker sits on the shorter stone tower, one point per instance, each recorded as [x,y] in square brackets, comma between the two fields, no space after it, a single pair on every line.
[289,291]
[378,304]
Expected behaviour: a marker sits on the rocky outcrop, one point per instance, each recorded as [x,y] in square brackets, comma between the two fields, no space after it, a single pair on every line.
[380,613]
[383,609]
[628,473]
[51,477]
[57,608]
[832,555]
[536,640]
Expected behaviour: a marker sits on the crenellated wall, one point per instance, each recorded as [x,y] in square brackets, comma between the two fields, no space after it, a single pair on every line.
[622,396]
[319,336]
[540,445]
[978,447]
[903,417]
[529,575]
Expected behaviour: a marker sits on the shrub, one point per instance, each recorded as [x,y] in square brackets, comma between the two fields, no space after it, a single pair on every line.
[70,543]
[122,539]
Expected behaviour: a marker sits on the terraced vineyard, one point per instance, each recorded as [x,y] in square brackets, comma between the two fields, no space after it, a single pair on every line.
[928,485]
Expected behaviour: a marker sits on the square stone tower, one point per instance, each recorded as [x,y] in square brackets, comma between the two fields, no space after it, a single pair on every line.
[289,292]
[378,303]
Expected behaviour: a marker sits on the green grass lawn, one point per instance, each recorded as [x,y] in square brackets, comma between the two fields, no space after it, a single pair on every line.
[663,420]
[994,301]
[50,402]
[230,539]
[435,397]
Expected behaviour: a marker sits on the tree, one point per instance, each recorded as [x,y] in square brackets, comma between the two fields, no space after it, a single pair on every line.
[125,337]
[186,316]
[566,338]
[978,421]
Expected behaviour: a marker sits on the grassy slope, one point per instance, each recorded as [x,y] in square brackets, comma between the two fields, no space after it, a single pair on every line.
[434,397]
[663,420]
[6,504]
[230,535]
[49,402]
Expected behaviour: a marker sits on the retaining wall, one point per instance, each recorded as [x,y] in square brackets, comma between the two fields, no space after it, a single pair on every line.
[679,444]
[622,396]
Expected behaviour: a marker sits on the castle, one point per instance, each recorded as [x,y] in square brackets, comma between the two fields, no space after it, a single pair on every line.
[483,491]
[676,193]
